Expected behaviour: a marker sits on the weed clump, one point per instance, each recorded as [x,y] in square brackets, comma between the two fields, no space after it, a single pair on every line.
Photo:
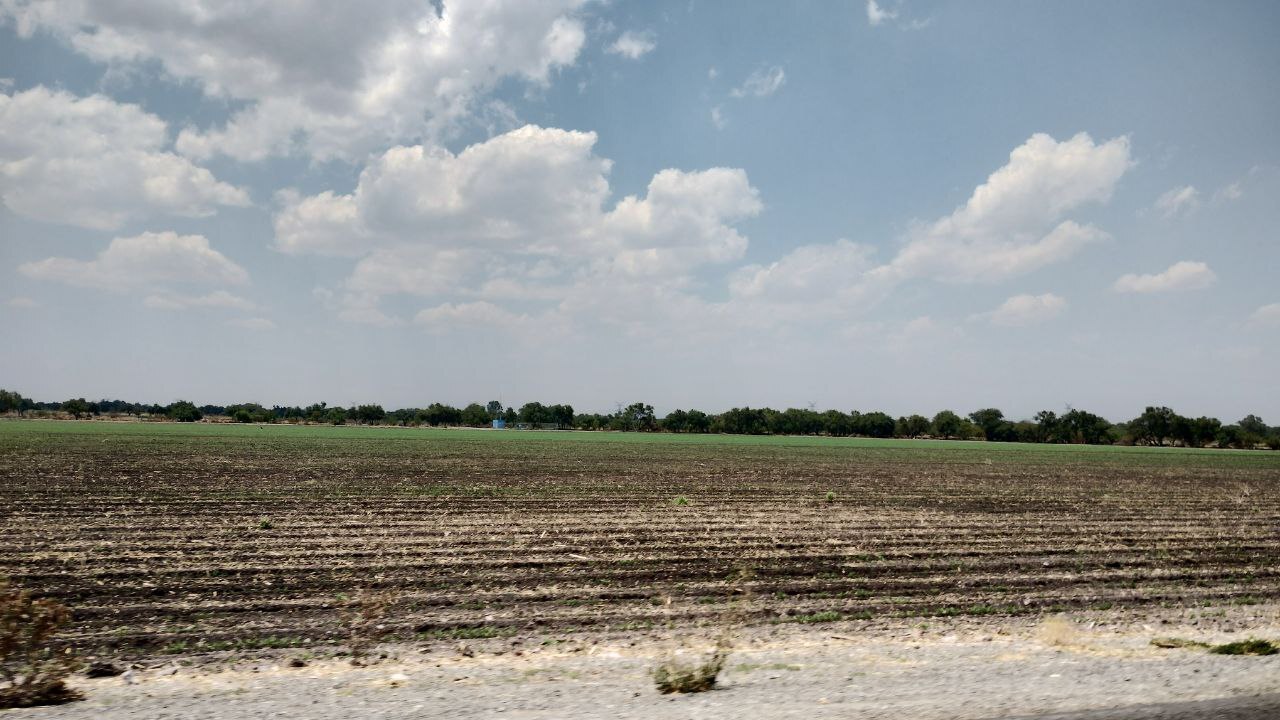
[1252,646]
[365,618]
[32,671]
[675,676]
[680,501]
[1177,642]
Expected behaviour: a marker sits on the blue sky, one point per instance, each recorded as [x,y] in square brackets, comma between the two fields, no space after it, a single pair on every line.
[902,206]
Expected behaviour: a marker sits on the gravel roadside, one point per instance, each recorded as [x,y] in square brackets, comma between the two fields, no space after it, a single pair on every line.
[954,669]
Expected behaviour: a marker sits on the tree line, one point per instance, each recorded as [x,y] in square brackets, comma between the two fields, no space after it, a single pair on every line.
[1156,426]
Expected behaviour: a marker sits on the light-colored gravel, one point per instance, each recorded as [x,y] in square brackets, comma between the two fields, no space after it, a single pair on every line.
[956,669]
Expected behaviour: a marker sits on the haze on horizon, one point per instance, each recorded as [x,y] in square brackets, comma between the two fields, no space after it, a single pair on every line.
[899,206]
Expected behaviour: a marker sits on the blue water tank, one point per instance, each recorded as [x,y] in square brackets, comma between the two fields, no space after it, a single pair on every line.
[499,424]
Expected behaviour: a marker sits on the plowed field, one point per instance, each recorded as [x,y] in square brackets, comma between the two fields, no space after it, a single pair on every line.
[190,538]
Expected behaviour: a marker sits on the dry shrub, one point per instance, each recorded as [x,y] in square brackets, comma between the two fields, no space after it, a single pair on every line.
[32,671]
[675,676]
[365,618]
[1058,631]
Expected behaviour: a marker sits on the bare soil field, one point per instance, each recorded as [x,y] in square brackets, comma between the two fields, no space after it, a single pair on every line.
[203,542]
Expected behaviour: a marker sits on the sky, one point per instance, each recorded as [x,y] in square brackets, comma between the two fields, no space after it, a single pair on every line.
[899,206]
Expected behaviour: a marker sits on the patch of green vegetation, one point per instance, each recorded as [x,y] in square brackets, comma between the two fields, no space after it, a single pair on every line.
[818,617]
[470,633]
[1252,646]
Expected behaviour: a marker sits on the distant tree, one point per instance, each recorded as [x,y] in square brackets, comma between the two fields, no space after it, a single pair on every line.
[368,414]
[872,424]
[1153,426]
[946,424]
[636,417]
[182,411]
[533,412]
[1047,430]
[836,423]
[1078,426]
[1253,425]
[912,426]
[743,421]
[77,407]
[494,409]
[476,415]
[676,421]
[335,416]
[316,413]
[1204,430]
[14,402]
[699,422]
[993,425]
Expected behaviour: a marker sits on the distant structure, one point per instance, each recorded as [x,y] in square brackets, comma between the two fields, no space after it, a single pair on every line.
[499,424]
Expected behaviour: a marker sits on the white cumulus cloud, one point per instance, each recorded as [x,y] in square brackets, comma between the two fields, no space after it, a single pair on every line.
[1178,201]
[1021,310]
[633,45]
[1013,223]
[877,15]
[342,78]
[522,215]
[761,83]
[1185,275]
[177,301]
[96,163]
[1266,316]
[143,262]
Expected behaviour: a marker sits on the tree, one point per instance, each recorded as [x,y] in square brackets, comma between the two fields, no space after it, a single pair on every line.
[992,423]
[1253,425]
[947,424]
[1078,426]
[637,417]
[494,409]
[14,402]
[912,426]
[476,415]
[368,414]
[77,407]
[873,424]
[183,411]
[1153,426]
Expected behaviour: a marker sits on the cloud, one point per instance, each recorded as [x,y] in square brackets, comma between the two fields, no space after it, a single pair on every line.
[1012,224]
[253,323]
[1266,316]
[143,262]
[633,45]
[1231,192]
[217,299]
[876,15]
[523,214]
[1178,201]
[717,118]
[809,274]
[1185,275]
[336,80]
[466,315]
[1022,310]
[96,163]
[19,301]
[761,83]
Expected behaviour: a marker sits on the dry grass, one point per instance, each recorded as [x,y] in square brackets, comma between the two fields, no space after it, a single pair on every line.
[676,676]
[1058,631]
[365,618]
[32,671]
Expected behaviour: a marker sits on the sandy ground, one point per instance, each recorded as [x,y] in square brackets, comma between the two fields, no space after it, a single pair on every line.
[1086,669]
